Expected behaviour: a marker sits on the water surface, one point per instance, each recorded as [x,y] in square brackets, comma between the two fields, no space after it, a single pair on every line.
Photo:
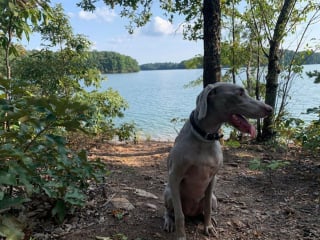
[156,97]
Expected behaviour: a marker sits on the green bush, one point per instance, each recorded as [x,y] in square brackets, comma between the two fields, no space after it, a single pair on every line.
[43,100]
[103,108]
[295,130]
[35,159]
[267,167]
[309,136]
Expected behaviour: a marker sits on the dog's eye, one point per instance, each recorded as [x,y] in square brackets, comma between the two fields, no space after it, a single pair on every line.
[242,92]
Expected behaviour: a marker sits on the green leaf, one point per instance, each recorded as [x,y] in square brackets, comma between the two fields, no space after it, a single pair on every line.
[276,164]
[8,201]
[233,143]
[59,140]
[1,195]
[7,178]
[255,164]
[59,210]
[75,197]
[11,228]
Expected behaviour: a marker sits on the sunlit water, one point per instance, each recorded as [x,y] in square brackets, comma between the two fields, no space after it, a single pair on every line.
[156,97]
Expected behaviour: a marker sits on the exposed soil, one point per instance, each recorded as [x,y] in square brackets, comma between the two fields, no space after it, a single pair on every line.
[282,204]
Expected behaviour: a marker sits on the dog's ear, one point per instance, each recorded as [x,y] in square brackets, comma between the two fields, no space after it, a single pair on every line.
[202,101]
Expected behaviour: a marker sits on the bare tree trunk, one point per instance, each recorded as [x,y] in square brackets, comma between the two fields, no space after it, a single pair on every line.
[257,91]
[6,124]
[249,72]
[211,41]
[273,65]
[233,45]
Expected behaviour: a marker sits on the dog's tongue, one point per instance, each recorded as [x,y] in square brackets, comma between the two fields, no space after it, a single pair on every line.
[240,123]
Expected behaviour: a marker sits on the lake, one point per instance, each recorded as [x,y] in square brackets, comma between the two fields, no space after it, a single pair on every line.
[156,97]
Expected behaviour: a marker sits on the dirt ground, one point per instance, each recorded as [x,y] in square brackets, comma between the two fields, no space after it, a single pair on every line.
[283,204]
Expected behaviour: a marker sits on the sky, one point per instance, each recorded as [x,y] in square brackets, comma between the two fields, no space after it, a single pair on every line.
[158,41]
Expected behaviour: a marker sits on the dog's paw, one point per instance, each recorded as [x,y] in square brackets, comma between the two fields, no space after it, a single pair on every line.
[210,230]
[168,224]
[214,221]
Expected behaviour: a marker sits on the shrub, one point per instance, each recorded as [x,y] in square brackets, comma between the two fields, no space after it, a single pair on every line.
[309,136]
[295,130]
[35,159]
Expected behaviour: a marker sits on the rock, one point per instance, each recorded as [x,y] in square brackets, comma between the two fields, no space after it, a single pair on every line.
[122,203]
[237,223]
[143,193]
[103,238]
[43,236]
[68,227]
[151,206]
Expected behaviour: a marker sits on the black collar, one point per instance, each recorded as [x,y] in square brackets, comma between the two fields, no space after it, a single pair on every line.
[207,136]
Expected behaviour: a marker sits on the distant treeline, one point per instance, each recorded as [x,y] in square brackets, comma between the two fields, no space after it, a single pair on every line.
[112,62]
[162,66]
[303,57]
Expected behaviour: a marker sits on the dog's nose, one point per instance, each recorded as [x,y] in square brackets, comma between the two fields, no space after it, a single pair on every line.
[268,109]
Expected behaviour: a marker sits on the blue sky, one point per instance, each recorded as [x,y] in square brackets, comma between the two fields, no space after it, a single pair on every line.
[158,41]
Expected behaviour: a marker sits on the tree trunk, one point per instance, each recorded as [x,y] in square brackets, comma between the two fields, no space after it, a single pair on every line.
[273,66]
[6,124]
[257,92]
[233,45]
[211,41]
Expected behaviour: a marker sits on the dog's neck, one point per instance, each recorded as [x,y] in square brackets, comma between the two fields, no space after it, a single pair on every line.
[208,133]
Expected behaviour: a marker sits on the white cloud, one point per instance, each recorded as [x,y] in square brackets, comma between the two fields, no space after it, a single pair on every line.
[159,27]
[116,40]
[103,14]
[162,26]
[87,15]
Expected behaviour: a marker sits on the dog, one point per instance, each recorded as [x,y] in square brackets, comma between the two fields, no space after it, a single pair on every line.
[196,156]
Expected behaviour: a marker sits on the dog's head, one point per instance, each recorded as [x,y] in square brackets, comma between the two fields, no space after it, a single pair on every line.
[225,102]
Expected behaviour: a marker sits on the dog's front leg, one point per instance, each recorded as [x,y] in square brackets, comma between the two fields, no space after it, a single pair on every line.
[208,227]
[174,182]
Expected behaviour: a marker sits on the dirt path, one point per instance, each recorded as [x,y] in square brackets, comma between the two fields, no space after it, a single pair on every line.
[251,204]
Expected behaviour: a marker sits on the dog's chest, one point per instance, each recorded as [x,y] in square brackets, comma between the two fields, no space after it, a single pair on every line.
[208,156]
[200,174]
[195,182]
[202,167]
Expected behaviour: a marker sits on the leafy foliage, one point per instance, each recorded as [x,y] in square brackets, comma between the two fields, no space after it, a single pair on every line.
[35,158]
[295,130]
[162,66]
[112,62]
[257,164]
[103,108]
[309,135]
[315,74]
[268,167]
[40,103]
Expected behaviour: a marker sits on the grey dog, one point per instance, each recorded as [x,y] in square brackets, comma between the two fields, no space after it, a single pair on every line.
[196,156]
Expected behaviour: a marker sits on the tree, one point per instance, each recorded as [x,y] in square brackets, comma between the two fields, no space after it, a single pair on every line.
[202,21]
[12,26]
[231,18]
[41,101]
[65,73]
[289,16]
[271,22]
[112,62]
[211,41]
[273,63]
